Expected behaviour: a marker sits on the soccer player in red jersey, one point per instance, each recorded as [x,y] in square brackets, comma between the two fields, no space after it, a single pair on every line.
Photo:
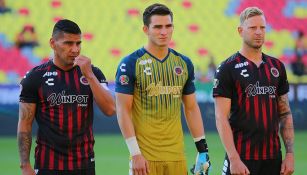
[59,94]
[251,105]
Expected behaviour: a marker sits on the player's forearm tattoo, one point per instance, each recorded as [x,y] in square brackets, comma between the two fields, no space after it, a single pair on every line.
[287,133]
[283,106]
[24,135]
[24,144]
[26,111]
[286,123]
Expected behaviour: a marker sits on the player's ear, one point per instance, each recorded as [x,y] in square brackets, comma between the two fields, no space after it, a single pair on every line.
[145,29]
[52,43]
[240,29]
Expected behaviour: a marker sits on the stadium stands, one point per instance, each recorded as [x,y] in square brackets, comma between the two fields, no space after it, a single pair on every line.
[113,29]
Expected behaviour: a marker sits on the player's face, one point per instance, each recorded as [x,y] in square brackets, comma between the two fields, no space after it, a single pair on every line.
[252,31]
[66,48]
[160,30]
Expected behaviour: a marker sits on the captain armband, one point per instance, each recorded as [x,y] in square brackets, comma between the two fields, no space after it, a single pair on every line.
[133,146]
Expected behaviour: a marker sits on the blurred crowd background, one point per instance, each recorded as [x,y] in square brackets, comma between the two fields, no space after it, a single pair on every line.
[205,30]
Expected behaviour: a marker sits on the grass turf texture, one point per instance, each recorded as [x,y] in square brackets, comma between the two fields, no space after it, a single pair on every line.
[112,154]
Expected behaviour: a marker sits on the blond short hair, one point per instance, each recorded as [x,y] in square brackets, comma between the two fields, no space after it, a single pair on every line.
[250,12]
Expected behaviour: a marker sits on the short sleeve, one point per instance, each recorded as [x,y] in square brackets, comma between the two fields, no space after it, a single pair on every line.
[101,78]
[29,89]
[283,86]
[222,83]
[125,76]
[189,86]
[99,75]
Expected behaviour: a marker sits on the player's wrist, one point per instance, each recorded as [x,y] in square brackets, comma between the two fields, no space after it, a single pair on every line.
[133,146]
[25,165]
[201,144]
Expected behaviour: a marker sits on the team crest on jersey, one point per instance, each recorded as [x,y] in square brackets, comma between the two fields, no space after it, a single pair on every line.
[274,72]
[178,70]
[124,79]
[83,80]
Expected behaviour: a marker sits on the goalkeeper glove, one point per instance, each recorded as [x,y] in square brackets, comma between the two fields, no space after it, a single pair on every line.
[202,165]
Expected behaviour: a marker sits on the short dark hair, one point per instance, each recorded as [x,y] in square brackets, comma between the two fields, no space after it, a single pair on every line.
[156,9]
[65,26]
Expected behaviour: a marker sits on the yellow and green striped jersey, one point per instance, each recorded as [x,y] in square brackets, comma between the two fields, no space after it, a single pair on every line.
[157,87]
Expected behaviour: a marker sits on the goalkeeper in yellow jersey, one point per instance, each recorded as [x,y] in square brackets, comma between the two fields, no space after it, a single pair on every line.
[151,85]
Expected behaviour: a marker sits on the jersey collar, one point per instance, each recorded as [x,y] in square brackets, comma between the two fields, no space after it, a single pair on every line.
[165,58]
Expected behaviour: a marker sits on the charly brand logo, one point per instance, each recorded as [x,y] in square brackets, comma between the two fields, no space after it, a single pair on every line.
[50,82]
[274,72]
[243,73]
[83,80]
[57,99]
[178,70]
[255,89]
[122,67]
[157,89]
[147,70]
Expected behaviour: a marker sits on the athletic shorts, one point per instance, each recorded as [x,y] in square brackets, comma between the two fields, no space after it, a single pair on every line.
[90,171]
[162,167]
[257,167]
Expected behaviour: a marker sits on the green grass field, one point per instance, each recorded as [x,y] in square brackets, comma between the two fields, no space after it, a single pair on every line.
[112,154]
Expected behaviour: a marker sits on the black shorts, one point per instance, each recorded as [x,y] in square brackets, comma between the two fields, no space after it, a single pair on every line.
[90,171]
[257,167]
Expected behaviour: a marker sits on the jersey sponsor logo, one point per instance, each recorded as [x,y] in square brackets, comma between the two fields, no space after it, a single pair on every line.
[49,74]
[243,73]
[215,83]
[157,89]
[83,80]
[147,70]
[50,82]
[144,62]
[255,89]
[178,70]
[239,65]
[274,72]
[57,99]
[124,79]
[122,67]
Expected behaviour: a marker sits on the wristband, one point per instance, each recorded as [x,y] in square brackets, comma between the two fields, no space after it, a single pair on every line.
[201,145]
[133,146]
[199,138]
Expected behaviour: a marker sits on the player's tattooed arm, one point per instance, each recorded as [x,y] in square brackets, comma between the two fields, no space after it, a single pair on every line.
[24,131]
[286,122]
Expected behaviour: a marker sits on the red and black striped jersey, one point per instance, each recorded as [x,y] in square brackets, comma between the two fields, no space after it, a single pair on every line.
[64,114]
[254,93]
